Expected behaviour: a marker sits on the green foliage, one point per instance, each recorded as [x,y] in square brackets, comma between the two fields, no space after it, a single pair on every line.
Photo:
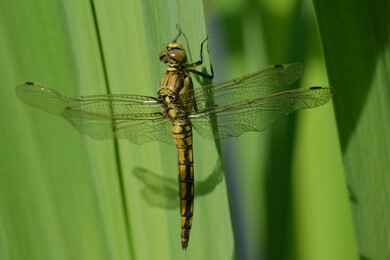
[66,196]
[290,186]
[357,57]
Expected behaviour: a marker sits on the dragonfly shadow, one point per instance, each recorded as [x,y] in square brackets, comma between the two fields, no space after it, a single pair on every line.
[363,257]
[352,195]
[163,192]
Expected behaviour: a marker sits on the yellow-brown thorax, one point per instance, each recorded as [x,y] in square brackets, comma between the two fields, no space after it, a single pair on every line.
[175,82]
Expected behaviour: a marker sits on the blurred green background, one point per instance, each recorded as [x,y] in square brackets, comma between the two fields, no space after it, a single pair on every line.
[285,193]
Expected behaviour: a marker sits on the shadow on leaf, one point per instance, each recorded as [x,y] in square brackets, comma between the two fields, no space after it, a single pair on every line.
[164,192]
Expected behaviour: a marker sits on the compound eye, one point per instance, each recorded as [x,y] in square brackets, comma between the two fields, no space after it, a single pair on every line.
[163,56]
[178,55]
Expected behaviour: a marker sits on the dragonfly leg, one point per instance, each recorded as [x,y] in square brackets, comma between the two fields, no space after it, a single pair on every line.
[199,62]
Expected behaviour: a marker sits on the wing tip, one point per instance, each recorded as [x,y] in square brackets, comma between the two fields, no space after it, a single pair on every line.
[28,83]
[20,87]
[331,89]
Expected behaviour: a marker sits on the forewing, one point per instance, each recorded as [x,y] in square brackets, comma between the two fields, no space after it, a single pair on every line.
[264,82]
[256,114]
[136,118]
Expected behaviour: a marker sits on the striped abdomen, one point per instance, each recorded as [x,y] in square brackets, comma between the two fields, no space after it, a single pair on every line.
[182,132]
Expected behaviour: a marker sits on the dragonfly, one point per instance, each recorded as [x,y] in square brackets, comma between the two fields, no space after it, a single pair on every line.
[228,109]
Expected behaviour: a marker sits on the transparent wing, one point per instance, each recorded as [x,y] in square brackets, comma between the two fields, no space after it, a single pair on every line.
[255,114]
[264,82]
[136,118]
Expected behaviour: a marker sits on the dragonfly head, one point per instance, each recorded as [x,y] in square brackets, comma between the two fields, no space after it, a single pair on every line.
[174,54]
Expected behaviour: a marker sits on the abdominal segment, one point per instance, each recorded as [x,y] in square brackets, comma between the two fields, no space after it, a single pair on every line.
[182,132]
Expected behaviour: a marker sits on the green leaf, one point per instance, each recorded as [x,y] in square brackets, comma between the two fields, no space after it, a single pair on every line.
[355,38]
[286,184]
[66,196]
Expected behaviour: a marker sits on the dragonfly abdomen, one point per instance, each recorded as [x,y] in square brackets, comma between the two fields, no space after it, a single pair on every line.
[182,132]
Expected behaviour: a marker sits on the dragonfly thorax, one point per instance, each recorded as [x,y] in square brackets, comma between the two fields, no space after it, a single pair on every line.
[166,96]
[174,54]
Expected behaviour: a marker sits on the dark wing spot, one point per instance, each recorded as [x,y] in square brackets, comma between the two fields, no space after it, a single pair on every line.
[315,87]
[279,66]
[29,83]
